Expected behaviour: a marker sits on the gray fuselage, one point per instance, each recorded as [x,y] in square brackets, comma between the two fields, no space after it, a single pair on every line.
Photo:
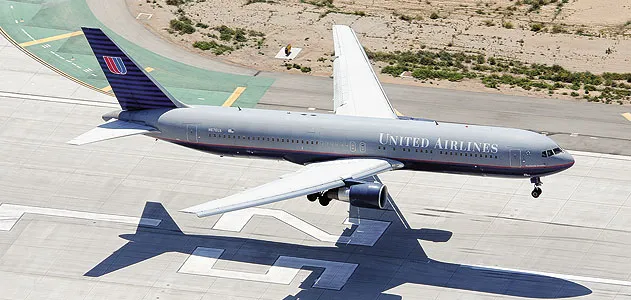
[303,138]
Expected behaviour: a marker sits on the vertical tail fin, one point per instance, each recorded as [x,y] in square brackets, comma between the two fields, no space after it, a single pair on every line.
[133,87]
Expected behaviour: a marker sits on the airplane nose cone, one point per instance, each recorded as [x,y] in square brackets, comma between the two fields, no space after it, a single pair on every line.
[568,159]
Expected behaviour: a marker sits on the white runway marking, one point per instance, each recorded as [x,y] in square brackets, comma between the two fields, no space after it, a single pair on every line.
[366,234]
[10,214]
[31,37]
[59,100]
[283,271]
[561,276]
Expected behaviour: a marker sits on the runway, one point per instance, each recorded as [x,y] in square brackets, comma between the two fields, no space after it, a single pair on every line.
[66,210]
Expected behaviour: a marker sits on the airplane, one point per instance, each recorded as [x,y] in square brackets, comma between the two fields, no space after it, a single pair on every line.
[342,153]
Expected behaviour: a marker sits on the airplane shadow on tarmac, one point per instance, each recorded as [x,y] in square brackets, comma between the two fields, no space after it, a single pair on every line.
[396,259]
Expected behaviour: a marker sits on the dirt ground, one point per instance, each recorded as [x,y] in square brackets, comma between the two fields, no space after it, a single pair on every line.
[580,35]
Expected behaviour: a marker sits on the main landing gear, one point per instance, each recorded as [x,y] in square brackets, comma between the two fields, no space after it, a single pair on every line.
[536,192]
[323,199]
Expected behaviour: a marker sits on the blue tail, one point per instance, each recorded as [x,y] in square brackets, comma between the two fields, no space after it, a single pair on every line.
[133,87]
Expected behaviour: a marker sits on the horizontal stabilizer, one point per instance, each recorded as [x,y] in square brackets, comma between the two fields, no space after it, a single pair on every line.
[111,130]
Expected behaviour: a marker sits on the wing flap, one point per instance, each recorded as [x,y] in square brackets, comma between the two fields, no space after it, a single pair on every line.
[357,90]
[313,178]
[111,130]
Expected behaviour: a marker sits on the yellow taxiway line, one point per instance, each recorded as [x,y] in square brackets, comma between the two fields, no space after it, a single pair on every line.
[627,116]
[52,38]
[108,88]
[235,95]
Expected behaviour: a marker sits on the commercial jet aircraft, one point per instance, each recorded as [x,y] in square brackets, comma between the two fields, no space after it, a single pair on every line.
[342,153]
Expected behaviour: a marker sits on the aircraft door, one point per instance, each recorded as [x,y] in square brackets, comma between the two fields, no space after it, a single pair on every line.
[353,146]
[191,133]
[515,158]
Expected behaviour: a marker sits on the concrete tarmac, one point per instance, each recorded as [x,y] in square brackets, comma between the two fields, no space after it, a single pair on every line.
[68,218]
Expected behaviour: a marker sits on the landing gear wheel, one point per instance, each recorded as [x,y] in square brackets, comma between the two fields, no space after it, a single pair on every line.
[324,201]
[312,197]
[536,192]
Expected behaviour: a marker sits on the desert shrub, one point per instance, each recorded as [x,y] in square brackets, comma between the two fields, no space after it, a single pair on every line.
[508,25]
[201,25]
[225,32]
[217,49]
[239,35]
[434,16]
[536,27]
[181,26]
[558,29]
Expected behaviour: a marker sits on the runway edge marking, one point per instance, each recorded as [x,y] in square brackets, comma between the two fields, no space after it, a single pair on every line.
[10,214]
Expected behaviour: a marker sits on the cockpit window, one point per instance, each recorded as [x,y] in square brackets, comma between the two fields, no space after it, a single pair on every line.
[548,153]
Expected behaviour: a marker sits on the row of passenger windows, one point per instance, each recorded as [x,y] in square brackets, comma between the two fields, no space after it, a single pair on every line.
[442,152]
[406,149]
[258,138]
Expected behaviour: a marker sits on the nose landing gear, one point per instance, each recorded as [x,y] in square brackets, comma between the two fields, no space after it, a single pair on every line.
[536,192]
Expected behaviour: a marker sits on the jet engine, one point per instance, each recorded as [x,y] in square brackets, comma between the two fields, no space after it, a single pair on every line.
[370,195]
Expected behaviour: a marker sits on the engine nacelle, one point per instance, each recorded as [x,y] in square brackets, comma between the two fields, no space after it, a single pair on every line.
[370,195]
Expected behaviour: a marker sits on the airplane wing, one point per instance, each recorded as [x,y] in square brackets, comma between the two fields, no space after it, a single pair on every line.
[111,130]
[313,178]
[357,90]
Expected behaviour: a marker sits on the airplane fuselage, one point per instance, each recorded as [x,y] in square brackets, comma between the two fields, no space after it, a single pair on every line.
[304,138]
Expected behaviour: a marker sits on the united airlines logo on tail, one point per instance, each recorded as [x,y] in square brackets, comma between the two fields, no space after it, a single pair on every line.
[115,65]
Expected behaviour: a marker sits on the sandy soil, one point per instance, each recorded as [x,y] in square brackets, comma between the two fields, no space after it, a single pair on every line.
[463,25]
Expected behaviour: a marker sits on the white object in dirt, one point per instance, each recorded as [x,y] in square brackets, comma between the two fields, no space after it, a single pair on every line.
[294,52]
